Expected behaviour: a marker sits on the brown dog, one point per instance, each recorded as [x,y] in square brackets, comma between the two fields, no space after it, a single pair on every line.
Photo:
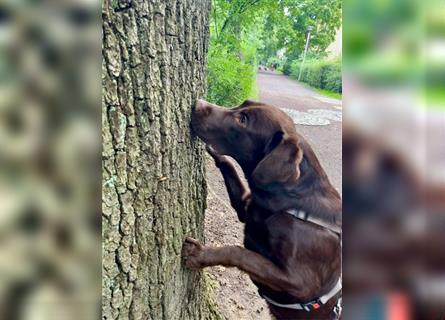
[292,260]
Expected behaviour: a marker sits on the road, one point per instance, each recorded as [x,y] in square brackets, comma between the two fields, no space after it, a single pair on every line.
[317,118]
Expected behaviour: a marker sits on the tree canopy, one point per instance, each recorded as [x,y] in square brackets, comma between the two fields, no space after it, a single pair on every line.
[244,33]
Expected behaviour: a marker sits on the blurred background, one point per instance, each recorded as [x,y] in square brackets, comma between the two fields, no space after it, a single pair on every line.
[50,66]
[394,159]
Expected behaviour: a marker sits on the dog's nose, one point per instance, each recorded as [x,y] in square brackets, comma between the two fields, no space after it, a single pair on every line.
[201,103]
[203,107]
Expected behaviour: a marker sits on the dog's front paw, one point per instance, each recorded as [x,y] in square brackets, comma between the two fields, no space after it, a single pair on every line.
[192,252]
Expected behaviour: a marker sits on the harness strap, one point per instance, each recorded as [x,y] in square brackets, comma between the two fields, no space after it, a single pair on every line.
[303,215]
[309,306]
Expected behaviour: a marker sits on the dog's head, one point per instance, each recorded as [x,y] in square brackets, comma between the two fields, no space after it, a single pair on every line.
[261,138]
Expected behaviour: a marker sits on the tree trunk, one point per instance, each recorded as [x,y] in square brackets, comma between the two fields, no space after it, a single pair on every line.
[154,69]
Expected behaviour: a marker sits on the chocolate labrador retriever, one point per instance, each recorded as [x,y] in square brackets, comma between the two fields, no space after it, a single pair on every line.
[292,213]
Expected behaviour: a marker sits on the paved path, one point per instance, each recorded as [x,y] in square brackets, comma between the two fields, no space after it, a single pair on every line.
[317,118]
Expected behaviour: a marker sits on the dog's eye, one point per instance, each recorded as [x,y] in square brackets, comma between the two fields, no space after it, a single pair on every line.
[242,118]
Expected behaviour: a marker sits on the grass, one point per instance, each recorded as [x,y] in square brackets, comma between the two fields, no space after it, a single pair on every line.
[330,94]
[324,92]
[254,92]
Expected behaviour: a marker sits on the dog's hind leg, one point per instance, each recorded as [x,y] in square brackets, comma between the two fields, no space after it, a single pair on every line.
[239,193]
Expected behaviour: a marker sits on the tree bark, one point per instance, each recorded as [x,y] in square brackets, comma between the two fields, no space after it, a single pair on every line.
[154,193]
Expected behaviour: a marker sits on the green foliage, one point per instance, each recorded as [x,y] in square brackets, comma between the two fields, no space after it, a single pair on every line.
[235,29]
[287,67]
[333,79]
[275,62]
[321,74]
[243,32]
[286,29]
[230,78]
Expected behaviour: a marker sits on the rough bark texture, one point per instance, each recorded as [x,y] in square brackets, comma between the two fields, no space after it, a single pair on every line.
[154,66]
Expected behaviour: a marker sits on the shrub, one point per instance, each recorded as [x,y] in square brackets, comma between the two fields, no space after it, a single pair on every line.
[229,78]
[332,79]
[319,74]
[287,67]
[314,75]
[275,62]
[294,69]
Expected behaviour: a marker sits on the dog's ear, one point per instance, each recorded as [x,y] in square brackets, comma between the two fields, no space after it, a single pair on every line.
[281,163]
[248,103]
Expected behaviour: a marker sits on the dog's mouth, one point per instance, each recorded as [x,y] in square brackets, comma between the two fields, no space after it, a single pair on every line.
[197,126]
[210,142]
[202,132]
[201,127]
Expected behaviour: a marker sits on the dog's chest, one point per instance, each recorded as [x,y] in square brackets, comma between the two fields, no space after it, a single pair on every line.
[256,234]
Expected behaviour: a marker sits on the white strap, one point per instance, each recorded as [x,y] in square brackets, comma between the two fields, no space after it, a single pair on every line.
[295,306]
[301,306]
[303,215]
[331,293]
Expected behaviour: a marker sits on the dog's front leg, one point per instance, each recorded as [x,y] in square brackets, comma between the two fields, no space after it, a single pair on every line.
[259,268]
[239,193]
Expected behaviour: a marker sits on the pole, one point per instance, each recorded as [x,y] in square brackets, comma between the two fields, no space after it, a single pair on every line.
[305,51]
